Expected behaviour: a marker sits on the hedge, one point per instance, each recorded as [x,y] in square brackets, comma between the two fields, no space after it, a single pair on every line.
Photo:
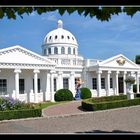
[90,106]
[17,114]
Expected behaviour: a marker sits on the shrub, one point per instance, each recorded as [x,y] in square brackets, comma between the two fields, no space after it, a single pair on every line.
[63,95]
[92,106]
[16,114]
[85,93]
[137,59]
[130,80]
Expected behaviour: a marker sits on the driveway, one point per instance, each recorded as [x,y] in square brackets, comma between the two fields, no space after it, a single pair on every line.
[72,120]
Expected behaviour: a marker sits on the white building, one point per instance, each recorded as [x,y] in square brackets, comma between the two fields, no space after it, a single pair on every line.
[31,77]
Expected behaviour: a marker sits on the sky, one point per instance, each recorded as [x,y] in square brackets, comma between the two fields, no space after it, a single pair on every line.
[96,39]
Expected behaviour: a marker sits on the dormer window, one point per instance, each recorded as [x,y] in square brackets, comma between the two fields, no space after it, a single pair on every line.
[68,37]
[50,37]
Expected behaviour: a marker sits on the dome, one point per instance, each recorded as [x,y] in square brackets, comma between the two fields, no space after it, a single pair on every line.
[60,35]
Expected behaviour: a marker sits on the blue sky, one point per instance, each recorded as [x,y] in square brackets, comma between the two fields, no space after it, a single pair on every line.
[96,39]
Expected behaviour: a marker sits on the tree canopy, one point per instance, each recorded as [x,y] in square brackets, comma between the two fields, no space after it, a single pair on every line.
[102,13]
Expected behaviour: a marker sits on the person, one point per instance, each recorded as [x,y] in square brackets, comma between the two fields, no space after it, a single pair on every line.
[78,85]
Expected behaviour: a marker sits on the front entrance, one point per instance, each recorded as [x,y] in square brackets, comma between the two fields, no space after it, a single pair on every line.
[120,85]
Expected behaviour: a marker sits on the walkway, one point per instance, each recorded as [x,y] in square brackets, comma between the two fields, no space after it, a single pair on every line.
[69,108]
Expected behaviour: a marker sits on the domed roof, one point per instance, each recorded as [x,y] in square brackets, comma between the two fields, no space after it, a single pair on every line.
[60,35]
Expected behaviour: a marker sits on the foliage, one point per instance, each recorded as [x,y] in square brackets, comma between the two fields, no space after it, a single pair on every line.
[63,95]
[137,59]
[90,106]
[85,93]
[8,103]
[102,13]
[16,114]
[130,79]
[108,98]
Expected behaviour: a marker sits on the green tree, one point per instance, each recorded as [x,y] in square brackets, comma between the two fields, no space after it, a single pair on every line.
[102,13]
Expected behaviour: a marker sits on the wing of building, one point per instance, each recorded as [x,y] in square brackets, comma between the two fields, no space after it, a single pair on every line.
[31,77]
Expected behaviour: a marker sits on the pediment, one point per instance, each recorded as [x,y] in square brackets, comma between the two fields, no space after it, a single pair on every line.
[119,61]
[20,55]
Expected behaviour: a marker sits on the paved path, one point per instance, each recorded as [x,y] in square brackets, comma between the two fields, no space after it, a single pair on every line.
[123,120]
[69,108]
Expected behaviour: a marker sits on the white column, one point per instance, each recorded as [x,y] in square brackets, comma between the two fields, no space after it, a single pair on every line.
[124,83]
[47,92]
[36,85]
[116,79]
[17,71]
[108,83]
[72,82]
[137,81]
[60,80]
[98,83]
[52,86]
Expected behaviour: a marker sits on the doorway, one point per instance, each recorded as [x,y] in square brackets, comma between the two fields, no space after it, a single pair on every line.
[120,85]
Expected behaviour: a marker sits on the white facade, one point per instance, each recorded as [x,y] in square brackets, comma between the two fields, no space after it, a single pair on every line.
[31,77]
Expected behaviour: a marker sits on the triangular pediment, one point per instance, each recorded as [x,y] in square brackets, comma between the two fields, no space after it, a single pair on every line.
[118,61]
[20,55]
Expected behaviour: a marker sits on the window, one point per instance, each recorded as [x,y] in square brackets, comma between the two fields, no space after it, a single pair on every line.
[38,81]
[68,37]
[3,86]
[62,37]
[102,83]
[74,51]
[62,50]
[21,86]
[54,84]
[72,38]
[56,37]
[65,83]
[50,38]
[94,83]
[69,50]
[55,50]
[44,51]
[49,50]
[111,83]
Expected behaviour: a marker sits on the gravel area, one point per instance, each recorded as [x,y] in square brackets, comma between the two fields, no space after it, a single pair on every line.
[122,120]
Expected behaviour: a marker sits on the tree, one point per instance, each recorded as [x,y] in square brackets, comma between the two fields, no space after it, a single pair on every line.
[100,12]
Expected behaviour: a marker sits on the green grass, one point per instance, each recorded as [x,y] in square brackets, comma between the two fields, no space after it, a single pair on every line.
[47,104]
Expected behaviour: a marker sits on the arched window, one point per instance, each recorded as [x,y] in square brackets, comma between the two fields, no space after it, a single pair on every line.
[73,50]
[62,50]
[68,37]
[62,37]
[55,50]
[69,50]
[56,37]
[49,50]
